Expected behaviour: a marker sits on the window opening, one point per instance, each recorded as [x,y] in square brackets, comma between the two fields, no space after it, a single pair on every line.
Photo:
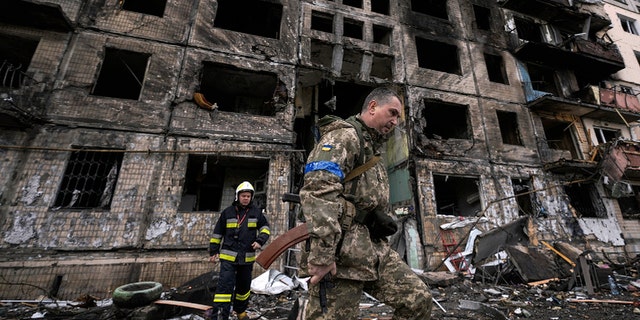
[353,28]
[446,120]
[604,135]
[508,123]
[321,21]
[382,34]
[495,68]
[434,8]
[15,56]
[586,200]
[151,7]
[438,56]
[321,53]
[351,63]
[630,206]
[524,199]
[527,30]
[210,181]
[239,90]
[628,25]
[89,180]
[542,78]
[456,196]
[637,56]
[122,74]
[559,136]
[341,98]
[482,16]
[380,6]
[381,67]
[353,3]
[255,17]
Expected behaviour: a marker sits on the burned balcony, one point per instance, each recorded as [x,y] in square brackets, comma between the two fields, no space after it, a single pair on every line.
[35,14]
[602,59]
[621,161]
[572,14]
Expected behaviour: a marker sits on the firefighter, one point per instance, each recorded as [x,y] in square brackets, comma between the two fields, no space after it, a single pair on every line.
[241,230]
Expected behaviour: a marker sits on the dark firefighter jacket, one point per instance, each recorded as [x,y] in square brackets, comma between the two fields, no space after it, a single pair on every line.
[236,229]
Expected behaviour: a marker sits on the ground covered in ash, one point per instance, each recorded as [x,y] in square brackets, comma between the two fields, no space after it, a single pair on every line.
[463,299]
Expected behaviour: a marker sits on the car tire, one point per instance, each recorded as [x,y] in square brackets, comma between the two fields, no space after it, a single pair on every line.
[137,294]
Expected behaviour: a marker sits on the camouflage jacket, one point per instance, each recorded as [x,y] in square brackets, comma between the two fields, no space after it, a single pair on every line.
[324,205]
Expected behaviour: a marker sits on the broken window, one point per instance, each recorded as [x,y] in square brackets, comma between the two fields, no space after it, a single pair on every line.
[256,17]
[353,3]
[89,179]
[630,206]
[482,16]
[446,120]
[15,57]
[380,6]
[434,8]
[559,135]
[152,7]
[381,34]
[122,74]
[604,135]
[321,21]
[352,28]
[508,123]
[528,30]
[239,90]
[626,89]
[381,67]
[495,68]
[211,181]
[628,25]
[321,53]
[456,196]
[438,56]
[584,198]
[542,78]
[523,195]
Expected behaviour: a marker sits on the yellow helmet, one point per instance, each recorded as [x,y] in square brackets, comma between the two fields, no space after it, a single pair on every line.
[243,187]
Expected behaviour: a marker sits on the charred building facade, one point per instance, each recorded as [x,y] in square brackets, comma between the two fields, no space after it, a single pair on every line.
[127,124]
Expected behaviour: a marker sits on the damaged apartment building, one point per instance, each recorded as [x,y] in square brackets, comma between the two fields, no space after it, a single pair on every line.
[127,124]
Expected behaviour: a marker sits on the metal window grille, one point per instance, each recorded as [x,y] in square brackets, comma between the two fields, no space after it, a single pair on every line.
[89,180]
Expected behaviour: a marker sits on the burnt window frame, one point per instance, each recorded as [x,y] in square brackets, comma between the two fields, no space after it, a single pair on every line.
[630,206]
[482,17]
[92,178]
[577,193]
[604,134]
[142,6]
[452,192]
[436,55]
[432,8]
[322,21]
[525,198]
[434,108]
[121,74]
[265,16]
[496,68]
[16,54]
[509,127]
[210,181]
[257,98]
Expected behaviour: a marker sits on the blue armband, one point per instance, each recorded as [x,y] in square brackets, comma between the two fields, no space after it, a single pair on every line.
[329,166]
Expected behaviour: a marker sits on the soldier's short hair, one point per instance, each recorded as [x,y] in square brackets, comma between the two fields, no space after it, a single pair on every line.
[382,95]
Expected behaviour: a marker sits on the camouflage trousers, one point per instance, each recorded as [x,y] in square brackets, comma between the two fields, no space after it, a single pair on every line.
[397,286]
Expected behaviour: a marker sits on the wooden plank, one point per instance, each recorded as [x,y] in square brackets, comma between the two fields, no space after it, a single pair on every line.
[602,301]
[586,275]
[183,304]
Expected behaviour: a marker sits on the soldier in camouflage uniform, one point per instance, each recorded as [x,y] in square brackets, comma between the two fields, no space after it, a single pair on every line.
[359,258]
